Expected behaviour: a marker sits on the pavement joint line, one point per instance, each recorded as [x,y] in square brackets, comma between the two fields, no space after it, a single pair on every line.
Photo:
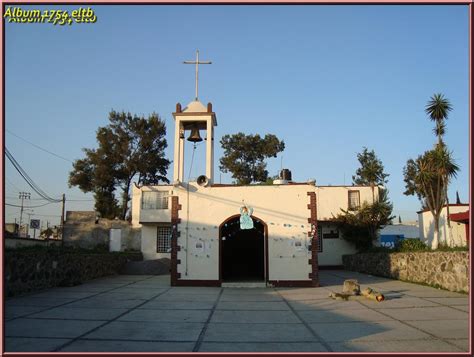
[69,302]
[467,312]
[39,337]
[414,327]
[231,341]
[105,323]
[198,343]
[305,324]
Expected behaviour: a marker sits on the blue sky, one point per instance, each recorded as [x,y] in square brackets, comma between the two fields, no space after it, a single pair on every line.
[328,80]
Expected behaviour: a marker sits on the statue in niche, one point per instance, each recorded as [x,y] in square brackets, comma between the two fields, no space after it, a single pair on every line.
[246,221]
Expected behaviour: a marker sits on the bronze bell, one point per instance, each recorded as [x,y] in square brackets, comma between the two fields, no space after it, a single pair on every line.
[194,137]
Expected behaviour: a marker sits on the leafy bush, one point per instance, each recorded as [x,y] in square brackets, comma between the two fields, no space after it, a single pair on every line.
[410,245]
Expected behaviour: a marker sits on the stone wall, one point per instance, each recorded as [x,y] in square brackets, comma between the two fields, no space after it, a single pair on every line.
[448,270]
[83,230]
[29,242]
[30,270]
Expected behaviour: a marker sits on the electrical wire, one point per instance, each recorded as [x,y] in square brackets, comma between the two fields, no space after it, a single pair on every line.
[28,179]
[46,215]
[12,184]
[12,205]
[38,147]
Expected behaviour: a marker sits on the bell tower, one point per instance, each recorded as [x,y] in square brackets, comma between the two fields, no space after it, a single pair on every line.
[194,119]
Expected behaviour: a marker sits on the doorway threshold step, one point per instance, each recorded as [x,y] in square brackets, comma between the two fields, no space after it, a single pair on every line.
[244,284]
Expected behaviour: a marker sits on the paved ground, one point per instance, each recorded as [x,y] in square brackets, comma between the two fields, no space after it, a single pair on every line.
[143,313]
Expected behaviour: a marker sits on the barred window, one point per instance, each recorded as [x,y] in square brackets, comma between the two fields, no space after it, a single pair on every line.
[320,239]
[163,239]
[354,200]
[154,200]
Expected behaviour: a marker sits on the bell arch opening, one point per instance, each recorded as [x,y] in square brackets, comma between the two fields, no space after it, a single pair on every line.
[243,251]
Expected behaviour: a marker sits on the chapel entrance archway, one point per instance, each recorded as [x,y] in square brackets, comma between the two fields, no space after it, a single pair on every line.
[243,252]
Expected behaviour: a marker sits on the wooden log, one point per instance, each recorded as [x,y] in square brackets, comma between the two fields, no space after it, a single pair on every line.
[373,295]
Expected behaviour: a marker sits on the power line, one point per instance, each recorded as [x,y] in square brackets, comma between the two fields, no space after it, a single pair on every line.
[12,184]
[32,199]
[38,147]
[28,179]
[46,215]
[12,205]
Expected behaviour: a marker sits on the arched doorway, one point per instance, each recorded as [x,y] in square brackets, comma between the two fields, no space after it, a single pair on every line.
[243,252]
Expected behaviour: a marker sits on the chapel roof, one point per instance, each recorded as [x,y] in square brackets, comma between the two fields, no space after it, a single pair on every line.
[195,107]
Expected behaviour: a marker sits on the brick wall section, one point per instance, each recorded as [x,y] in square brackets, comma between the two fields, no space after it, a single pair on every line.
[175,220]
[313,220]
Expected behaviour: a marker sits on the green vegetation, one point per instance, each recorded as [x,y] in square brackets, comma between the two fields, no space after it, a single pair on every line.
[410,245]
[414,245]
[244,156]
[428,176]
[129,146]
[360,226]
[371,171]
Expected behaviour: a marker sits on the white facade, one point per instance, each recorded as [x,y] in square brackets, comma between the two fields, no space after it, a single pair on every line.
[456,236]
[195,215]
[282,207]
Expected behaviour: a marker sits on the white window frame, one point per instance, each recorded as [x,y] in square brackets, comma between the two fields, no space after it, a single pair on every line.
[163,238]
[154,200]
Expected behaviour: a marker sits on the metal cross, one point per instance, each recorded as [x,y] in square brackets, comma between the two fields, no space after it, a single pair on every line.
[197,63]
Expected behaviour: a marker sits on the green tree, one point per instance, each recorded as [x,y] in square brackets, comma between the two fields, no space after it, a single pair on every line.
[427,177]
[438,108]
[371,171]
[361,226]
[130,147]
[244,156]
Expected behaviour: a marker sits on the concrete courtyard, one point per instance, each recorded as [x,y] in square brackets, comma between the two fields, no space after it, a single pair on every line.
[143,313]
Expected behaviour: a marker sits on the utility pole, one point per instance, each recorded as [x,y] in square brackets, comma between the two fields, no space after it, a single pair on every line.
[62,219]
[22,196]
[29,213]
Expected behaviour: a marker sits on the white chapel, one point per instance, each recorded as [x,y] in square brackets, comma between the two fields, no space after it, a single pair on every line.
[198,223]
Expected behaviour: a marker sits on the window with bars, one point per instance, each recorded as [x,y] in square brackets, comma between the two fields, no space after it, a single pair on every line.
[354,200]
[320,239]
[163,239]
[154,200]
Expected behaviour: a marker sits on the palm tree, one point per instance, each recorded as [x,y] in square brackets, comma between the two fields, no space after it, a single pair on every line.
[437,109]
[427,176]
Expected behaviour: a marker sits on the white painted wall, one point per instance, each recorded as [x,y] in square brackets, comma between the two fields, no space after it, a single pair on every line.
[333,248]
[457,232]
[284,208]
[330,199]
[148,243]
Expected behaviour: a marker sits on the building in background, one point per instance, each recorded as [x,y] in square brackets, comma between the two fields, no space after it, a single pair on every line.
[456,236]
[389,234]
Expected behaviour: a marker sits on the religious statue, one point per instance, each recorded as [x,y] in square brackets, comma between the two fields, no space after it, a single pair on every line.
[245,219]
